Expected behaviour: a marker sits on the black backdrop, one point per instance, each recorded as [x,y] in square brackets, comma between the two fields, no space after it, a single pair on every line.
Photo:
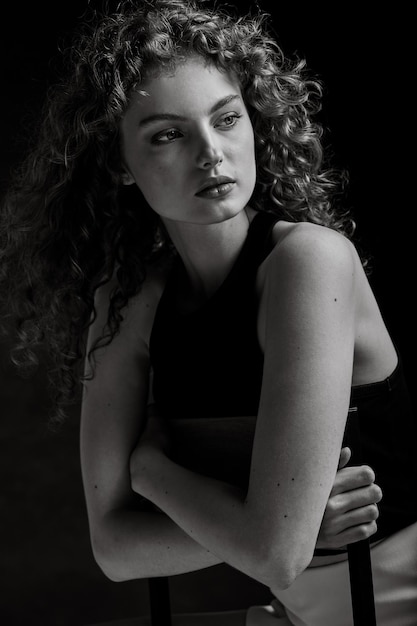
[47,574]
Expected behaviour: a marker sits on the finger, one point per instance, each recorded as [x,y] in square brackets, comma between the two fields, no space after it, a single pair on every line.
[344,458]
[355,499]
[357,517]
[349,478]
[356,533]
[363,515]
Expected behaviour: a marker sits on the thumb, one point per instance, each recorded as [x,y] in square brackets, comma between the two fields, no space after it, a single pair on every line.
[344,458]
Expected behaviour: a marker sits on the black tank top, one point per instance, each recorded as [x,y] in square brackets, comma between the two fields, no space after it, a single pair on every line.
[207,375]
[209,363]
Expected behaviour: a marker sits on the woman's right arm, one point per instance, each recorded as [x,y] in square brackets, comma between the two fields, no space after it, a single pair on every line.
[131,543]
[127,542]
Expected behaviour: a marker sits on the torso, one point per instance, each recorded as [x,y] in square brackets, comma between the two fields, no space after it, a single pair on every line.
[375,355]
[375,358]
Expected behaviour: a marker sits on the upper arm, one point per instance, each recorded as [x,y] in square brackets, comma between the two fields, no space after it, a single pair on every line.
[114,405]
[309,314]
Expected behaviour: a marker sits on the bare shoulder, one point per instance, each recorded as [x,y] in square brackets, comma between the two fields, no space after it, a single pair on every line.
[139,312]
[309,264]
[311,248]
[305,237]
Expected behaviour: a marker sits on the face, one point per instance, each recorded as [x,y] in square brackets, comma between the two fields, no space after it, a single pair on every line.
[188,144]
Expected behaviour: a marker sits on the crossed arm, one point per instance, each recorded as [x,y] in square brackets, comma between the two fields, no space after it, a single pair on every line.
[270,531]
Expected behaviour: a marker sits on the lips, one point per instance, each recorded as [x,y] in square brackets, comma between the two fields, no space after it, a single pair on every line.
[216,185]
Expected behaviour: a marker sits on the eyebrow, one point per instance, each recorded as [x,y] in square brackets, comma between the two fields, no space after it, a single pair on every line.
[158,117]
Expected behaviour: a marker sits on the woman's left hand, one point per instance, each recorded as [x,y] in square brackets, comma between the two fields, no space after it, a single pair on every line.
[352,509]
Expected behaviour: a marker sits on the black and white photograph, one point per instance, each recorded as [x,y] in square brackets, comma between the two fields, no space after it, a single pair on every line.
[207,314]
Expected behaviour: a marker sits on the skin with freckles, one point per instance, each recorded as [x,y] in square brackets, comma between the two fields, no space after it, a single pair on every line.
[190,126]
[191,132]
[175,129]
[187,143]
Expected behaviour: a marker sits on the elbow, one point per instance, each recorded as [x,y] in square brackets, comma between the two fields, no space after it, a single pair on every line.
[107,558]
[289,572]
[280,568]
[104,560]
[110,571]
[275,559]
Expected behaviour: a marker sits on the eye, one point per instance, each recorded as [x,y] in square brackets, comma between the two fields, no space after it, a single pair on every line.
[228,121]
[166,136]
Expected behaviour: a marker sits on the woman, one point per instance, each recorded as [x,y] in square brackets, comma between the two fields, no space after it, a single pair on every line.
[222,273]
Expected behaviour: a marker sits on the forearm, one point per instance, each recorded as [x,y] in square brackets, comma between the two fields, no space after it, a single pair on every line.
[135,544]
[212,512]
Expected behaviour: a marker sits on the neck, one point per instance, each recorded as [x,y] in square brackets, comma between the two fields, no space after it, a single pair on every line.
[209,251]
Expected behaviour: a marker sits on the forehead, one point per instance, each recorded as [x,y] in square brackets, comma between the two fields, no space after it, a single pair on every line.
[190,88]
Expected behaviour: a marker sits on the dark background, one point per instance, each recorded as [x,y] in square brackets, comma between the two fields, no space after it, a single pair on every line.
[47,573]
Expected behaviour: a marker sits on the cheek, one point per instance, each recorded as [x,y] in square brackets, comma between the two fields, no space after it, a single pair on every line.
[157,184]
[151,189]
[247,145]
[248,152]
[249,163]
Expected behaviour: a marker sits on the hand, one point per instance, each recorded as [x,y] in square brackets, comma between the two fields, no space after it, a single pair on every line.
[352,509]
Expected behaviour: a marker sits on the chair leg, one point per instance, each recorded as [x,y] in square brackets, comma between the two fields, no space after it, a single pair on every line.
[160,603]
[361,584]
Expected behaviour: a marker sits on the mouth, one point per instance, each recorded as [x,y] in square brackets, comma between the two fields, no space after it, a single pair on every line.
[216,187]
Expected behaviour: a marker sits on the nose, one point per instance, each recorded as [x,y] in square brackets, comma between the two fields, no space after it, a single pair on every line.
[209,153]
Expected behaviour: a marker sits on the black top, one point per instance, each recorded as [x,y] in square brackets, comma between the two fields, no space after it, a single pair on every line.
[208,364]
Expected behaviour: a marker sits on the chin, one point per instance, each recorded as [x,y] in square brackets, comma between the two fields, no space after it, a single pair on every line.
[223,216]
[221,211]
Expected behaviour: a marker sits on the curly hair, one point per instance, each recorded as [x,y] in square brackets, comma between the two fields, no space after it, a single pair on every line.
[68,225]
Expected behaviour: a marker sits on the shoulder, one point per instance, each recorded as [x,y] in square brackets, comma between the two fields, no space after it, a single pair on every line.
[139,312]
[305,238]
[309,267]
[309,249]
[307,284]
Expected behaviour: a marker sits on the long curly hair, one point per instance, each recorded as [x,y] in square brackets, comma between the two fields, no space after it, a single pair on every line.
[68,225]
